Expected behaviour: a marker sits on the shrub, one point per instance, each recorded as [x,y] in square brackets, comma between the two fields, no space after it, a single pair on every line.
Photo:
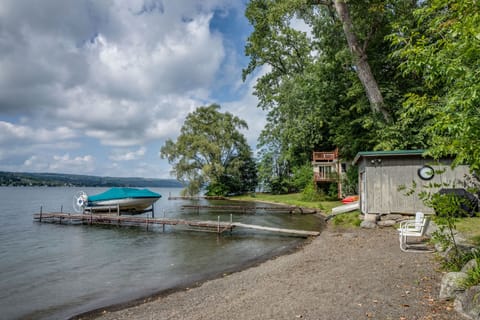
[473,274]
[309,193]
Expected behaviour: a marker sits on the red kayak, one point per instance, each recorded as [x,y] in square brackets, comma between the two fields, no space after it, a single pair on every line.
[349,199]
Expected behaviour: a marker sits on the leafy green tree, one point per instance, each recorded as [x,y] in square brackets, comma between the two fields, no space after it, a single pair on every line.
[313,92]
[212,152]
[441,52]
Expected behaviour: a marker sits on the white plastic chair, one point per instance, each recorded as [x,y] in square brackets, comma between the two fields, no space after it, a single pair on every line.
[413,228]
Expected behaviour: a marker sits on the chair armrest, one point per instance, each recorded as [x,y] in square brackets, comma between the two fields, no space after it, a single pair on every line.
[413,228]
[411,225]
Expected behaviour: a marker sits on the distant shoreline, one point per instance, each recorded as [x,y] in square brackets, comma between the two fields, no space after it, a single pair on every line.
[32,179]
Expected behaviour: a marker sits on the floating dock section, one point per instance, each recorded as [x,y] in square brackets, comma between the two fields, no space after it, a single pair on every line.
[148,222]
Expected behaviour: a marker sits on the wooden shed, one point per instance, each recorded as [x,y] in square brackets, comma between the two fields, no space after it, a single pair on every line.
[381,173]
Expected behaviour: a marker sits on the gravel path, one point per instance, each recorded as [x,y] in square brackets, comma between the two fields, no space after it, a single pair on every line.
[354,274]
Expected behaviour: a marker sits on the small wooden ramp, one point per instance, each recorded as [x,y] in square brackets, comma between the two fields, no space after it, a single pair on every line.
[280,230]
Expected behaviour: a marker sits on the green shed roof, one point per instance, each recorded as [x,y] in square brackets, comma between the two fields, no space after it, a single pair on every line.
[387,153]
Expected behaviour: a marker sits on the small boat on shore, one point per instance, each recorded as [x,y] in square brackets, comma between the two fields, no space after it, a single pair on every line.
[350,199]
[127,199]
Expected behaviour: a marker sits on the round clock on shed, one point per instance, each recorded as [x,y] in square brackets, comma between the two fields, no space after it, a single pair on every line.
[426,172]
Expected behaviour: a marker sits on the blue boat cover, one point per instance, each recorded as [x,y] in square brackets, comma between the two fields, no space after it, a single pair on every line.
[121,193]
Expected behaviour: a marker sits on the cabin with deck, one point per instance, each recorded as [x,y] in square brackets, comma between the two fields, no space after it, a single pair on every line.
[382,173]
[328,169]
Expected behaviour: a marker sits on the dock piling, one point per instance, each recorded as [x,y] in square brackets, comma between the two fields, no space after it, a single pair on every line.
[163,227]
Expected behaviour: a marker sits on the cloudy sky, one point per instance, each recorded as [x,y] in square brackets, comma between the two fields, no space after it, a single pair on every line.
[97,86]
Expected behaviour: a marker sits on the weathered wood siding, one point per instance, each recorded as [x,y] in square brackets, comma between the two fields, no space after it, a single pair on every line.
[384,175]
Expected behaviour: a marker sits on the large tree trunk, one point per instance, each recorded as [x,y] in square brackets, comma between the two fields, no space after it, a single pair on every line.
[363,68]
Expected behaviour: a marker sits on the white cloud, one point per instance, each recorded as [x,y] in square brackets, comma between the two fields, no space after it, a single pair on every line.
[127,155]
[60,163]
[22,134]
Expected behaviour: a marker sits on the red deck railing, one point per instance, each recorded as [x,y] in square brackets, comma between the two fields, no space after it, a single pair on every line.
[325,156]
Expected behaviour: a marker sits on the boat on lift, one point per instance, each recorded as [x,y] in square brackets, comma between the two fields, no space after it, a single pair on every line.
[130,200]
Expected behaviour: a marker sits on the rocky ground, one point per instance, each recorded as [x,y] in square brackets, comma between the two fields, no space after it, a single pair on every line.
[349,274]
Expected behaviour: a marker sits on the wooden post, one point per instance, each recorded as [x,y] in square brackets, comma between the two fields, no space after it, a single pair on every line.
[163,220]
[218,225]
[61,209]
[41,211]
[118,209]
[146,222]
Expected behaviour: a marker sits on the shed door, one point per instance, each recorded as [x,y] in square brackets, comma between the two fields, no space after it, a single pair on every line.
[363,196]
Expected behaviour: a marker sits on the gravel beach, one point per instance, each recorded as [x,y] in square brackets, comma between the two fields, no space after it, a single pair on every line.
[342,274]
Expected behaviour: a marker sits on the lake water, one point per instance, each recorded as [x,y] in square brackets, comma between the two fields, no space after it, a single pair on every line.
[50,271]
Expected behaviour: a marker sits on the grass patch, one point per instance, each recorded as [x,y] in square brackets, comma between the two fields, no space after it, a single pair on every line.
[347,220]
[470,228]
[293,199]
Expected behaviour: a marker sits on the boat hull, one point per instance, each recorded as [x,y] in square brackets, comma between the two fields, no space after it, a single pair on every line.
[127,199]
[126,204]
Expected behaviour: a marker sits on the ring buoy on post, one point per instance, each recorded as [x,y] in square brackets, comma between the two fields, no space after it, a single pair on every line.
[80,200]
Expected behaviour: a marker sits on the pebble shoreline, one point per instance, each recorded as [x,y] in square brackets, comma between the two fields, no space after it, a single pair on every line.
[342,274]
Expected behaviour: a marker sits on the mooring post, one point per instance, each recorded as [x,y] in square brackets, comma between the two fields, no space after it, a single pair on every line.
[231,218]
[41,211]
[163,220]
[61,208]
[218,225]
[153,210]
[118,209]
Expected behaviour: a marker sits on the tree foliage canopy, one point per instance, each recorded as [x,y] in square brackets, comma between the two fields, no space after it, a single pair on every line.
[212,152]
[441,51]
[313,92]
[423,55]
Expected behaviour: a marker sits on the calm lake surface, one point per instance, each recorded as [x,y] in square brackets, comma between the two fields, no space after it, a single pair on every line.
[50,271]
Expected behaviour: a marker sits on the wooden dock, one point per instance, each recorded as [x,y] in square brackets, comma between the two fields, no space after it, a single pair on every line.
[170,197]
[137,221]
[247,209]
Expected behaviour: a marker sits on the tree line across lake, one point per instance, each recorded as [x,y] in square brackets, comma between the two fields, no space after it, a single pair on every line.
[60,179]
